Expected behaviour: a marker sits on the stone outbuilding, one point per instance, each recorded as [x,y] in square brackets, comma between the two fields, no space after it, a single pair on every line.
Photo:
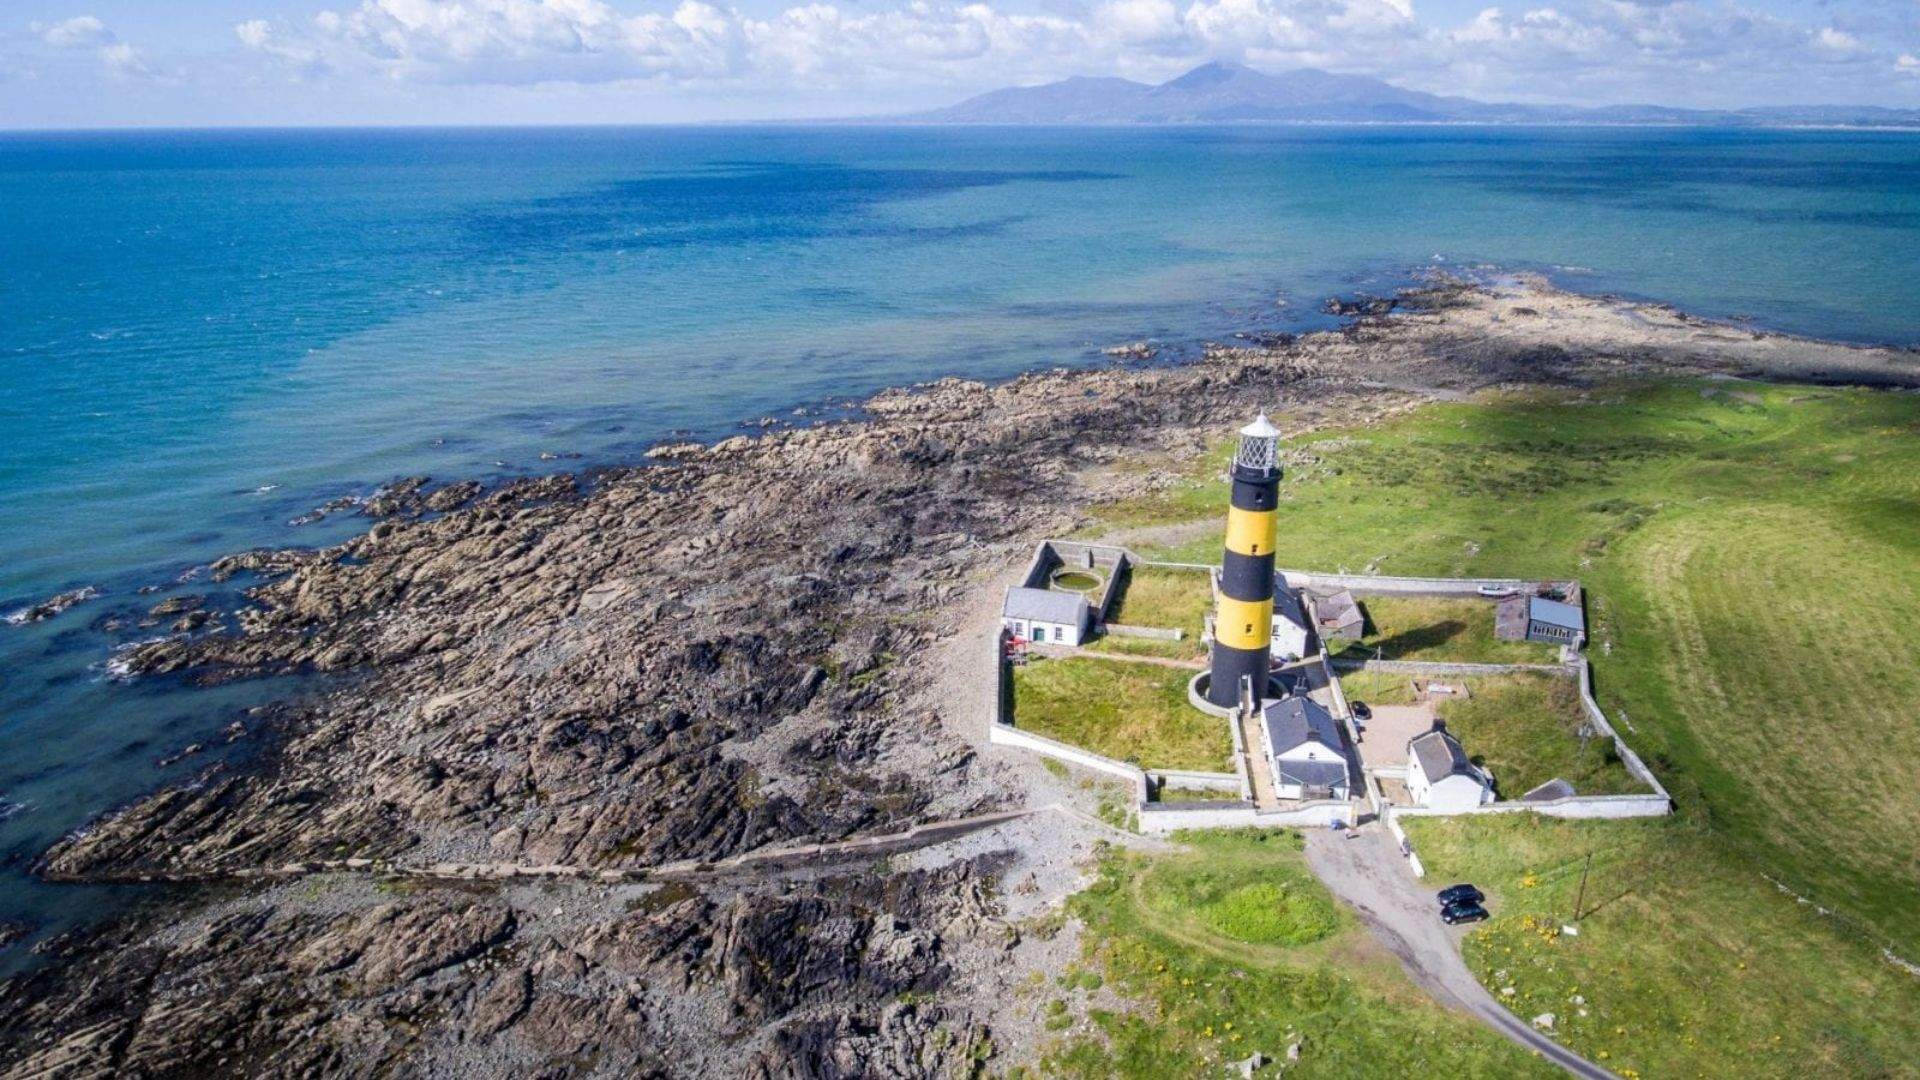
[1338,617]
[1554,622]
[1303,749]
[1046,616]
[1440,777]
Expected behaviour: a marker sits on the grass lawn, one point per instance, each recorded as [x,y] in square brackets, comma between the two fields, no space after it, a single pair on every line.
[1232,946]
[1130,711]
[1526,729]
[1377,687]
[1438,628]
[1166,598]
[1752,558]
[1688,962]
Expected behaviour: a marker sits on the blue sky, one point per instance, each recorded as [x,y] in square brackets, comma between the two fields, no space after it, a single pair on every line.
[91,63]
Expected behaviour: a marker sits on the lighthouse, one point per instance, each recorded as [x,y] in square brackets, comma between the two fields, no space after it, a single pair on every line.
[1243,617]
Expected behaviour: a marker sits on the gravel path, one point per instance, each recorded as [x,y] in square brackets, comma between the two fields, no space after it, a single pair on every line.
[1368,873]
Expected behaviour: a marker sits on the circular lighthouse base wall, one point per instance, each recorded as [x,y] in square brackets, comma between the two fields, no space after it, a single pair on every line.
[1197,695]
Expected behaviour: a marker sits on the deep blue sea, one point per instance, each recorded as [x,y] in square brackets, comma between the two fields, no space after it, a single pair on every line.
[205,334]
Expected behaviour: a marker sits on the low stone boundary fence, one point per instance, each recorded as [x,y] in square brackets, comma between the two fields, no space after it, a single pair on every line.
[1409,586]
[1156,633]
[1598,718]
[1160,818]
[1188,780]
[1406,847]
[1443,667]
[1573,806]
[1008,735]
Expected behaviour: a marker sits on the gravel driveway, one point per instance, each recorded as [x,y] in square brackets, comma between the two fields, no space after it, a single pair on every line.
[1368,873]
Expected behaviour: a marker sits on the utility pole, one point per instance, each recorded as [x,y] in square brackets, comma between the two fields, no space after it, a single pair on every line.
[1580,902]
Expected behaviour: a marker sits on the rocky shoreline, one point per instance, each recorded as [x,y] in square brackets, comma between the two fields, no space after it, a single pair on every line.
[736,647]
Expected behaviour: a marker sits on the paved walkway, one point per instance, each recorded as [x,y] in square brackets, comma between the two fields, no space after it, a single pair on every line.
[1368,874]
[1259,771]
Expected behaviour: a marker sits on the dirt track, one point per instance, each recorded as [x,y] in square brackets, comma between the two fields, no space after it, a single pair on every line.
[1368,874]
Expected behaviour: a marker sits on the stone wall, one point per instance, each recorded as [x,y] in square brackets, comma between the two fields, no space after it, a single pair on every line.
[1407,586]
[1443,667]
[1156,633]
[1596,716]
[1160,818]
[1574,806]
[1008,735]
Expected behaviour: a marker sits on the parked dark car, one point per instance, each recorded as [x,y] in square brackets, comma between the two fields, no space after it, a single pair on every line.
[1460,894]
[1465,912]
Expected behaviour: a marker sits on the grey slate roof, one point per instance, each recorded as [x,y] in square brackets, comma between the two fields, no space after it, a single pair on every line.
[1296,720]
[1340,610]
[1332,774]
[1555,613]
[1441,756]
[1046,605]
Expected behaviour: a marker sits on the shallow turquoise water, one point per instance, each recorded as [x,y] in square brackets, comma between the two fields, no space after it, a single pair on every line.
[202,335]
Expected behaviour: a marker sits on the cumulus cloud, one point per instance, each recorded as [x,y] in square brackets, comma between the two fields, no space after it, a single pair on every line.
[79,32]
[1571,49]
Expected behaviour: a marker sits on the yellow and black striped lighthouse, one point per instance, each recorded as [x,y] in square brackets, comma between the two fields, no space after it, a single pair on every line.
[1243,619]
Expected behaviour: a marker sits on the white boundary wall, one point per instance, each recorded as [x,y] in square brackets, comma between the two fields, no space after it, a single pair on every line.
[1008,735]
[1376,583]
[1573,806]
[1159,818]
[1444,667]
[1188,780]
[1406,847]
[1584,672]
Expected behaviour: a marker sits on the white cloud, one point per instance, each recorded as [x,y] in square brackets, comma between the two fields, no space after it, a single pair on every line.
[1908,63]
[1686,51]
[79,32]
[125,61]
[1837,40]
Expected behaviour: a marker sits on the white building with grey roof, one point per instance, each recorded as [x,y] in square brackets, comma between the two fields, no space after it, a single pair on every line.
[1440,776]
[1303,747]
[1046,616]
[1290,623]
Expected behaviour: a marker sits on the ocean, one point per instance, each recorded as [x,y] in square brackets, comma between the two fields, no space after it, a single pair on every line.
[205,335]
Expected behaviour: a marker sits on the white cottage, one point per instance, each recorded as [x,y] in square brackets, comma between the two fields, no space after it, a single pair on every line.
[1046,616]
[1289,623]
[1303,749]
[1440,777]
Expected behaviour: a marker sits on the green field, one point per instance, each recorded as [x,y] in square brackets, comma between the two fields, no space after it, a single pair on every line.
[1232,946]
[1751,555]
[1438,628]
[1166,598]
[1526,729]
[1752,559]
[1686,962]
[1130,711]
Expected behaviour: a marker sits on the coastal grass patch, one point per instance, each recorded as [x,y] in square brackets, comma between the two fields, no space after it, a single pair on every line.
[1131,711]
[1687,961]
[1166,598]
[1438,628]
[1752,566]
[1231,946]
[1526,728]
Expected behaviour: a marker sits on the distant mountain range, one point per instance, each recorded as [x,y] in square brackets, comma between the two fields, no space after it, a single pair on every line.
[1222,92]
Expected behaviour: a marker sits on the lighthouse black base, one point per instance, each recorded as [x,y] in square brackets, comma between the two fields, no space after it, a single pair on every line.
[1232,669]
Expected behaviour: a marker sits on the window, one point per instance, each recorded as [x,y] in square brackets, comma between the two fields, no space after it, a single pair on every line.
[1059,633]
